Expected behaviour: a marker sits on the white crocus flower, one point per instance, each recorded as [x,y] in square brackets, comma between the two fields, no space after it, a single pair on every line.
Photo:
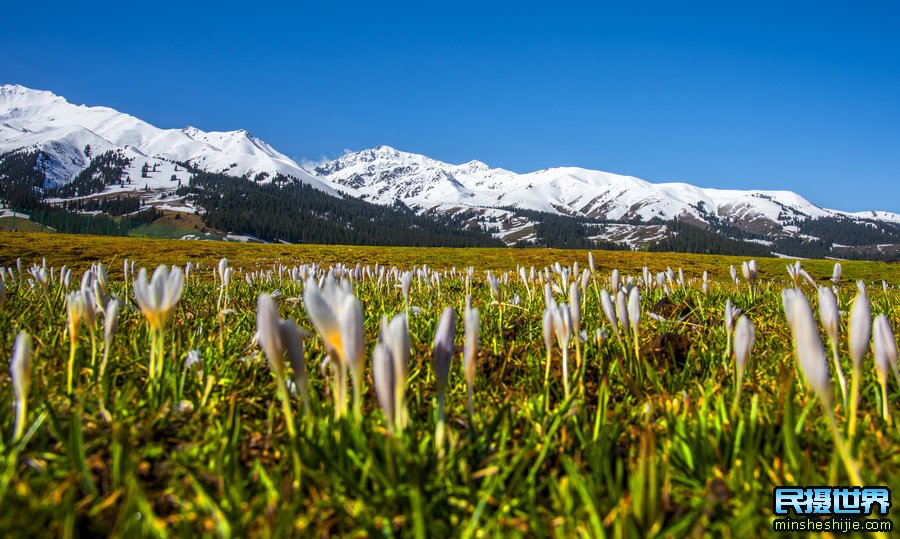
[337,315]
[885,349]
[575,320]
[794,273]
[634,309]
[562,328]
[575,306]
[442,353]
[40,276]
[393,345]
[600,336]
[224,273]
[585,280]
[609,310]
[749,271]
[548,338]
[494,286]
[405,285]
[292,340]
[811,357]
[268,331]
[192,360]
[860,329]
[787,302]
[634,317]
[730,312]
[20,371]
[223,265]
[744,337]
[808,350]
[622,311]
[828,314]
[109,330]
[383,376]
[79,311]
[277,337]
[100,275]
[809,279]
[158,297]
[472,325]
[442,358]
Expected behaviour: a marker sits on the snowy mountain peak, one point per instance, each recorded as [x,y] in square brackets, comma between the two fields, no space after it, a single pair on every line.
[191,131]
[384,174]
[381,152]
[17,90]
[17,98]
[476,166]
[42,120]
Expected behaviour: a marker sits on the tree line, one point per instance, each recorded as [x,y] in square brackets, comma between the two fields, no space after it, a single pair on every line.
[289,210]
[23,188]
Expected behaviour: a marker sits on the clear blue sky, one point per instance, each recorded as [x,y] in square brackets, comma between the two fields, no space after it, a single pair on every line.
[795,95]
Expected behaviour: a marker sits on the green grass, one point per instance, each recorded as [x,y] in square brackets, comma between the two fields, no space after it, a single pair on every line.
[645,447]
[168,232]
[20,224]
[155,231]
[173,226]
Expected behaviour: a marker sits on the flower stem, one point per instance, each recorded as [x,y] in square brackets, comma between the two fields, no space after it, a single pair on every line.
[103,361]
[285,399]
[840,372]
[439,432]
[357,399]
[842,448]
[286,405]
[93,332]
[21,412]
[737,395]
[854,403]
[70,369]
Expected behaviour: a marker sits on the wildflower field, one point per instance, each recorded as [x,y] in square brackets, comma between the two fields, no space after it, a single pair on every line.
[276,390]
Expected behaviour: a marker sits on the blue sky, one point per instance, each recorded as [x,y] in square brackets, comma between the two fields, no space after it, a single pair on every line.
[795,95]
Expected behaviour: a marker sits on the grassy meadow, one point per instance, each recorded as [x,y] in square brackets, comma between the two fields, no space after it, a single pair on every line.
[196,422]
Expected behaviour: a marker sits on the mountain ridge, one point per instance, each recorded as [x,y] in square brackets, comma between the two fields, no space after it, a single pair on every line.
[38,118]
[614,207]
[564,190]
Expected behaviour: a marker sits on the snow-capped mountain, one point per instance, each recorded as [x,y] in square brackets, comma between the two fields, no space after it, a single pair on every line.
[622,209]
[384,174]
[42,120]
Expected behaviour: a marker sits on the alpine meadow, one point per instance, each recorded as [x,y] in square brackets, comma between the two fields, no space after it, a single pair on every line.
[306,390]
